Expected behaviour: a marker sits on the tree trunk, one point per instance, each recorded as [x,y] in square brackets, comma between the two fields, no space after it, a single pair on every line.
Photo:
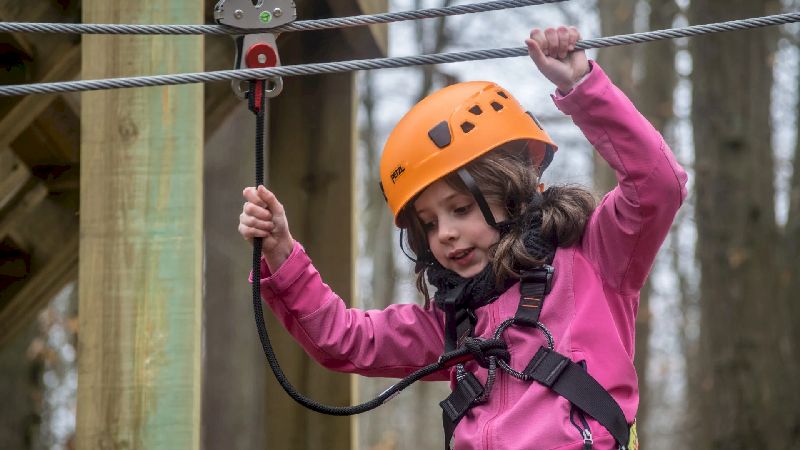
[790,270]
[22,390]
[655,100]
[616,17]
[413,419]
[379,222]
[234,382]
[746,390]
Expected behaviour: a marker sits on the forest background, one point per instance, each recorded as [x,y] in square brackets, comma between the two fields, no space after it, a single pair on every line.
[717,351]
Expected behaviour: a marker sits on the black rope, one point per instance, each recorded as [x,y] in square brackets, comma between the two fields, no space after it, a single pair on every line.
[257,104]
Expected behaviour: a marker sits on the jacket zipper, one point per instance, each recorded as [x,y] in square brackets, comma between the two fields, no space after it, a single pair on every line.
[499,386]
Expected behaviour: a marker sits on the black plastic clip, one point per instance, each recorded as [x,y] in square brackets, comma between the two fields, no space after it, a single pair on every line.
[540,276]
[468,389]
[546,366]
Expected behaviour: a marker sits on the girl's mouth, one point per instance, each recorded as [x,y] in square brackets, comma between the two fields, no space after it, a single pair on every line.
[462,257]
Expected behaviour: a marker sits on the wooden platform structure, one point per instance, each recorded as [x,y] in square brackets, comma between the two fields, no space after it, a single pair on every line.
[135,194]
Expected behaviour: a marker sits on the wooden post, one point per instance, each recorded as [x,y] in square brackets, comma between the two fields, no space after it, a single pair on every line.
[312,170]
[141,235]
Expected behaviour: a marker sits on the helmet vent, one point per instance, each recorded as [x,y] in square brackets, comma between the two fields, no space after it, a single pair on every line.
[497,106]
[502,94]
[440,134]
[476,110]
[466,127]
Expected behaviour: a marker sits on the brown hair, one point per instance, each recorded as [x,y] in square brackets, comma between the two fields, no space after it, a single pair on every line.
[505,178]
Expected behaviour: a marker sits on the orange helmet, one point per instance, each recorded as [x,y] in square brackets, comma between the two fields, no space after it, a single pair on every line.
[450,128]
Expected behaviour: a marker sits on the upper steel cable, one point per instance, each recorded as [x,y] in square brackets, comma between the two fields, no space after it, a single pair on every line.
[385,63]
[303,25]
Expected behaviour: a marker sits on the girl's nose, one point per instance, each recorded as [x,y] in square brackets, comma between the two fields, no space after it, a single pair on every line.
[447,232]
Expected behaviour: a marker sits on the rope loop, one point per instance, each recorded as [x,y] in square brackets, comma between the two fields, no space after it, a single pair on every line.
[485,349]
[507,323]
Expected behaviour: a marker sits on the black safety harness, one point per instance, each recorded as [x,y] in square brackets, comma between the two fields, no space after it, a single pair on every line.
[547,367]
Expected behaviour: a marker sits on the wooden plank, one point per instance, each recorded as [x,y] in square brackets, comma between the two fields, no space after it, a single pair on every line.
[312,170]
[141,251]
[13,175]
[234,382]
[380,33]
[25,111]
[31,11]
[23,44]
[219,97]
[39,288]
[365,42]
[28,198]
[27,217]
[13,268]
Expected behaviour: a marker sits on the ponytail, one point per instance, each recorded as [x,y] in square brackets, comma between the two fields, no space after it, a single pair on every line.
[565,211]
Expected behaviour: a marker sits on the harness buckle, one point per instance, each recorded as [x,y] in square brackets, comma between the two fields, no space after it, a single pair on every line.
[541,275]
[546,366]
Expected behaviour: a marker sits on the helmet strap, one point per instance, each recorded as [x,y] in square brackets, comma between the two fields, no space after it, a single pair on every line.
[425,259]
[470,183]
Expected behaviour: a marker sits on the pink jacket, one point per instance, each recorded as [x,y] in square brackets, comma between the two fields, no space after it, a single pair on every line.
[590,311]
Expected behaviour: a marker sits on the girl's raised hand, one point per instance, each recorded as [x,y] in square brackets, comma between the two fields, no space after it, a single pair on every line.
[553,52]
[263,216]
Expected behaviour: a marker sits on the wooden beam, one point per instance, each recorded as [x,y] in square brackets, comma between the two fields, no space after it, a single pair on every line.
[29,11]
[220,100]
[29,224]
[28,198]
[380,33]
[312,170]
[366,42]
[141,251]
[23,43]
[14,268]
[25,111]
[13,175]
[38,289]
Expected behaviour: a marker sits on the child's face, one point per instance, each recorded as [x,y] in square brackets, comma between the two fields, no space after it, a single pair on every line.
[457,232]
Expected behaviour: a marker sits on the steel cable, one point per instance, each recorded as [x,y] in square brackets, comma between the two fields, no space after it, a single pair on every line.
[384,63]
[303,25]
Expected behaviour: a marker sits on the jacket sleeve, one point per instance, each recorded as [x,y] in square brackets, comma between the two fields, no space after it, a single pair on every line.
[626,230]
[393,342]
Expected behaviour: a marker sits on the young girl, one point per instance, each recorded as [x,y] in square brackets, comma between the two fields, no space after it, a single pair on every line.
[460,173]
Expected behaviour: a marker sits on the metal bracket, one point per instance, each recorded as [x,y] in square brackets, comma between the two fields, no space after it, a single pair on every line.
[256,50]
[255,15]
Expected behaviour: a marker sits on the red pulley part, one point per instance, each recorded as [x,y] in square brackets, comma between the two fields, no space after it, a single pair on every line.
[261,55]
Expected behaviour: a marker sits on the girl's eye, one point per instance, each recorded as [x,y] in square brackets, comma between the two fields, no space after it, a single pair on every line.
[428,226]
[461,210]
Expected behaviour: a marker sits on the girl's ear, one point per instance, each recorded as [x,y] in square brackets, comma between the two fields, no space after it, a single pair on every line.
[541,187]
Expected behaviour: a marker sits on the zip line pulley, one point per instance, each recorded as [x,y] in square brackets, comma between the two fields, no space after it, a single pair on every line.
[256,50]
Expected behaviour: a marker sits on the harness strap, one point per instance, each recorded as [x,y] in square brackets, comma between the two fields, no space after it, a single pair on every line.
[458,322]
[547,367]
[534,285]
[570,381]
[468,389]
